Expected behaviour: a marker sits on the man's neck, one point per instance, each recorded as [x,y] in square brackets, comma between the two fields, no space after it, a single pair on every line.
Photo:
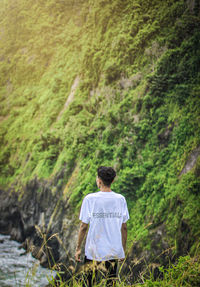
[105,189]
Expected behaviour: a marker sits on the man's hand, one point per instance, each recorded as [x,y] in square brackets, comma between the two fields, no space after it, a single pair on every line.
[82,231]
[124,235]
[78,255]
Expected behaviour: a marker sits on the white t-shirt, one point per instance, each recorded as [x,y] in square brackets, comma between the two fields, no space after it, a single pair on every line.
[105,212]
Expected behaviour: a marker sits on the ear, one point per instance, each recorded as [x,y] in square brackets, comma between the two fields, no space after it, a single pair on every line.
[100,181]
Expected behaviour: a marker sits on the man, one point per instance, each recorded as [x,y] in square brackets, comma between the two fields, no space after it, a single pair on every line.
[106,214]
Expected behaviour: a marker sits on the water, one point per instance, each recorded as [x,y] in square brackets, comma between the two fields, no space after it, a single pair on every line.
[18,269]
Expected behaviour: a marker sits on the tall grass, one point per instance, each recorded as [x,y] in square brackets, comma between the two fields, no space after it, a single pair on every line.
[185,272]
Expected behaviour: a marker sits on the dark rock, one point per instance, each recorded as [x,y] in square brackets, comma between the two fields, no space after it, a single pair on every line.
[37,218]
[191,161]
[165,135]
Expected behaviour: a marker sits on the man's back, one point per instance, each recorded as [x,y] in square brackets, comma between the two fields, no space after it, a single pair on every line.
[105,212]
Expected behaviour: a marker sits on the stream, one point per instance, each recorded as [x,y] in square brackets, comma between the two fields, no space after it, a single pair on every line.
[18,269]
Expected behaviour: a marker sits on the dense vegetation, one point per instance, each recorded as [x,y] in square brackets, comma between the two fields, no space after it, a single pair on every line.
[184,273]
[89,83]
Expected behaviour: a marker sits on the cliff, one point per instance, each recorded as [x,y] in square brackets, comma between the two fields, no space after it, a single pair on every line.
[89,83]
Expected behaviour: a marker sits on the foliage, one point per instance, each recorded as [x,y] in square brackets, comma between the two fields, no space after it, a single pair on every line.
[134,105]
[185,272]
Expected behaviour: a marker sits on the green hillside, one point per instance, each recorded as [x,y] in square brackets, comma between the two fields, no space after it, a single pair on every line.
[100,82]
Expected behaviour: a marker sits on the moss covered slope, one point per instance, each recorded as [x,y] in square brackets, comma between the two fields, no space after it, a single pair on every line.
[89,83]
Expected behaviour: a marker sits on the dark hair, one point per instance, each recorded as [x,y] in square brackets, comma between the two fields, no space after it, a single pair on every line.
[106,174]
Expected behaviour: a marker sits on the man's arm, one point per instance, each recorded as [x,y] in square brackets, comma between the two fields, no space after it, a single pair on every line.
[81,235]
[124,235]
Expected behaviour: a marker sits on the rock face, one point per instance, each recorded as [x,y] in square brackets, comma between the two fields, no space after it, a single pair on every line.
[191,161]
[42,222]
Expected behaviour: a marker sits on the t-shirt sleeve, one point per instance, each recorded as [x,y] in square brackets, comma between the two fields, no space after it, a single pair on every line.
[84,213]
[125,211]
